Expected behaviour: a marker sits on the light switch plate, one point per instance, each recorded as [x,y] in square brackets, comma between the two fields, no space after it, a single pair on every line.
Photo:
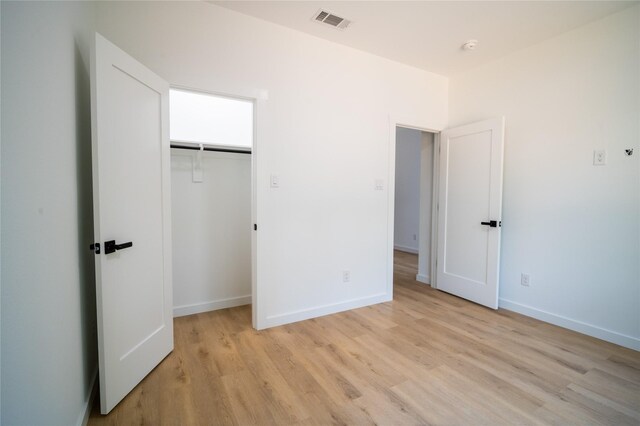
[275,181]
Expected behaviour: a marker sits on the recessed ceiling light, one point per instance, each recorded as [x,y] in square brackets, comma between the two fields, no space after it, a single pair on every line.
[469,45]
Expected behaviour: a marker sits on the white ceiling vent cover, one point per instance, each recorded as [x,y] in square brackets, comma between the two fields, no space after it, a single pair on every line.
[329,18]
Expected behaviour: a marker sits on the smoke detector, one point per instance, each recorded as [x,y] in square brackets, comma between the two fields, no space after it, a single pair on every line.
[325,17]
[470,45]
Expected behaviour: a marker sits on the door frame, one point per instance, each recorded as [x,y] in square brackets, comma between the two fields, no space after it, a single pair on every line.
[259,99]
[435,205]
[395,122]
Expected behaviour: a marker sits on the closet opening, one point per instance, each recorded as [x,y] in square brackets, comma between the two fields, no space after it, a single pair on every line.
[212,141]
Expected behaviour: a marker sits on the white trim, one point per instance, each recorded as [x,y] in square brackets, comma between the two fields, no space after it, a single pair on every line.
[424,279]
[405,249]
[434,210]
[391,188]
[214,305]
[83,417]
[303,314]
[229,92]
[575,325]
[258,293]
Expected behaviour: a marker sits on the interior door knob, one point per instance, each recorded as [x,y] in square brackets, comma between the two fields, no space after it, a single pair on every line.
[492,223]
[112,247]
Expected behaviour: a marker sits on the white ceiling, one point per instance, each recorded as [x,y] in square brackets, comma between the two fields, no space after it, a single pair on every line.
[429,34]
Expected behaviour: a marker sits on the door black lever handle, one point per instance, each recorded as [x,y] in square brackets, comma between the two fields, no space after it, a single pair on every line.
[112,247]
[491,223]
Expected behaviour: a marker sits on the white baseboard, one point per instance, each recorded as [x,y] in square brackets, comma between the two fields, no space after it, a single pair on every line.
[83,417]
[406,249]
[425,279]
[281,319]
[579,326]
[196,308]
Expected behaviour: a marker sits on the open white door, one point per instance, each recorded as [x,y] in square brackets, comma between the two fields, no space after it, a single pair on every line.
[470,211]
[132,219]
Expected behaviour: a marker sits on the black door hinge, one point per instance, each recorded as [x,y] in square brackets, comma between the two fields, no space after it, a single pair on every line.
[95,248]
[255,226]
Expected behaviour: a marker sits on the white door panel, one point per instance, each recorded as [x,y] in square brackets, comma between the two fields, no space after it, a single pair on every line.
[131,166]
[470,193]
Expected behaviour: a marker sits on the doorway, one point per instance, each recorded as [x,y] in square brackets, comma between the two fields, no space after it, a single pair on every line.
[212,141]
[463,254]
[412,200]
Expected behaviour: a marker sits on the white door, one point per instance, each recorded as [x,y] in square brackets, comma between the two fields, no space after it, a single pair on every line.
[470,211]
[132,222]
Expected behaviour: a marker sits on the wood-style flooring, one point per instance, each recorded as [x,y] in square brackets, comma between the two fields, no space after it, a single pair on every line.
[425,358]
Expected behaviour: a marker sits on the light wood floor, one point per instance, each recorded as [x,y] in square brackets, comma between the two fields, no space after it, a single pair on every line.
[425,358]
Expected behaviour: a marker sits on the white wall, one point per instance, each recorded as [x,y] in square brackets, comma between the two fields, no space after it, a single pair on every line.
[324,130]
[571,225]
[211,231]
[426,205]
[49,354]
[407,190]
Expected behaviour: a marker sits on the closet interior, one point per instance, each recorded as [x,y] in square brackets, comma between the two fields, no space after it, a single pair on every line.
[211,177]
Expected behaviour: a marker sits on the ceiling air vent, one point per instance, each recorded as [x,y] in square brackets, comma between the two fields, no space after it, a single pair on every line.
[330,19]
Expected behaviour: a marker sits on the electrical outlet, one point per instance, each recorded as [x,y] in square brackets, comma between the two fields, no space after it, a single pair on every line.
[525,280]
[599,157]
[415,237]
[346,276]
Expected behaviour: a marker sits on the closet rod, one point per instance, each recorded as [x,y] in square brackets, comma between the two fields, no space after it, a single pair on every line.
[210,148]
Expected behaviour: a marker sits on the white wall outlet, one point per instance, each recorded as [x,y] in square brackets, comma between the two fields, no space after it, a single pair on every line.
[599,157]
[274,181]
[379,184]
[525,280]
[346,276]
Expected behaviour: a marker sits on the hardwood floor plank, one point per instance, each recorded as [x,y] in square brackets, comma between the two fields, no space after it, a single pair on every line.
[250,405]
[616,412]
[433,406]
[287,406]
[614,388]
[621,366]
[387,408]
